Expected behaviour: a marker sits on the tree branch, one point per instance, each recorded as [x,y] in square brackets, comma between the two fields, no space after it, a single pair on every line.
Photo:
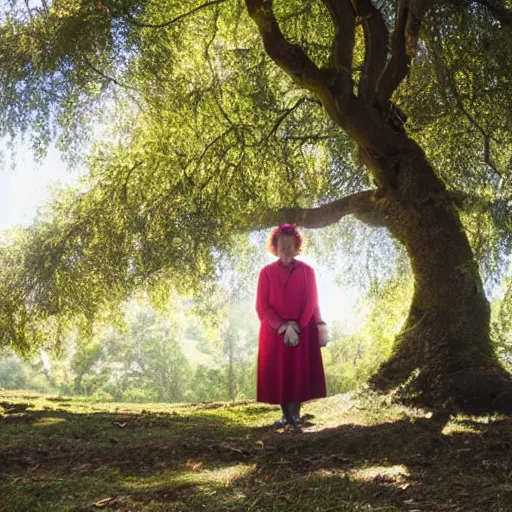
[486,137]
[417,11]
[501,13]
[398,66]
[344,19]
[366,126]
[141,24]
[376,37]
[409,16]
[289,57]
[108,78]
[282,117]
[361,205]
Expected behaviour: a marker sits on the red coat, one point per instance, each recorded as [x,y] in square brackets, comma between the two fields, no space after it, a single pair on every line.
[287,374]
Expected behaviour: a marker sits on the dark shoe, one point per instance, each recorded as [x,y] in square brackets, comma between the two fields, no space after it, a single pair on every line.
[281,423]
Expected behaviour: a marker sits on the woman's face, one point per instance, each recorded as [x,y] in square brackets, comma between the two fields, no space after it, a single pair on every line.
[286,248]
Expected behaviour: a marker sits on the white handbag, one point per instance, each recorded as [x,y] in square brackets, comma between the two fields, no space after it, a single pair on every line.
[323,334]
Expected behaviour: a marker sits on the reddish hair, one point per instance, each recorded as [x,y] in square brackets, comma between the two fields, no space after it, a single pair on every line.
[287,230]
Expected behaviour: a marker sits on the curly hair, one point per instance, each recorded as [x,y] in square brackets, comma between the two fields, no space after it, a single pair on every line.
[284,229]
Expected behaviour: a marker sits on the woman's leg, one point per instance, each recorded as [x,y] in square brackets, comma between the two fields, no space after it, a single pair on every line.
[293,411]
[297,410]
[291,414]
[284,419]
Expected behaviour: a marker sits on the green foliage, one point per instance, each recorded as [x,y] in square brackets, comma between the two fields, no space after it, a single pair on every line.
[15,374]
[350,359]
[170,354]
[501,323]
[458,101]
[102,396]
[12,374]
[191,140]
[176,353]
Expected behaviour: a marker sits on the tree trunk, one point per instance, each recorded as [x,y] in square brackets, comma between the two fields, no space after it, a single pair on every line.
[229,344]
[231,377]
[446,336]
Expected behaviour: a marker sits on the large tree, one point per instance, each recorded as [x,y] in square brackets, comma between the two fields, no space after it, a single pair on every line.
[223,117]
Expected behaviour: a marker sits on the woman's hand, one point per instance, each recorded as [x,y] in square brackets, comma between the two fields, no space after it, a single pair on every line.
[291,333]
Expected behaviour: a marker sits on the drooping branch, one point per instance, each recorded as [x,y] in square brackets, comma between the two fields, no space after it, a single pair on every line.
[141,24]
[344,19]
[485,136]
[498,10]
[376,37]
[106,77]
[283,116]
[362,205]
[289,57]
[447,78]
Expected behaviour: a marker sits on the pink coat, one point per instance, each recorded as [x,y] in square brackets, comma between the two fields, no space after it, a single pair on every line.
[287,374]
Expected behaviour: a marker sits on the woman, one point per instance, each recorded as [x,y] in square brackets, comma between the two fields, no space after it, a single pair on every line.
[290,369]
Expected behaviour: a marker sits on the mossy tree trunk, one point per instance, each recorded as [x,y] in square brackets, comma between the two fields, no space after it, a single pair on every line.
[446,337]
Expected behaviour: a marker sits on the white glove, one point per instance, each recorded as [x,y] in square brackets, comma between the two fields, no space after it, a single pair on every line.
[323,334]
[294,325]
[283,327]
[291,335]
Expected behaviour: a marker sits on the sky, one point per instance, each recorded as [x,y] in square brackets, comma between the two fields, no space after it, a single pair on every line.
[27,186]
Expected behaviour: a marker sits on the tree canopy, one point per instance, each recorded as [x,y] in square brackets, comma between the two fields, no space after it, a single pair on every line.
[225,116]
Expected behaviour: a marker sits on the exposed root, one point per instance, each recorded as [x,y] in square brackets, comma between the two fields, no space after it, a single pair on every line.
[477,390]
[484,389]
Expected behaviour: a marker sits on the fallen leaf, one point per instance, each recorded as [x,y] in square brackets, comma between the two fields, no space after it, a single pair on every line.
[194,466]
[105,502]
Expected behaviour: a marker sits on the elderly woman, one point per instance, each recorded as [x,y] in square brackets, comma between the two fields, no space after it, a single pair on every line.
[290,369]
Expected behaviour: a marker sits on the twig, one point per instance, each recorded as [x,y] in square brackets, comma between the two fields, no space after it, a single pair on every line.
[132,20]
[107,77]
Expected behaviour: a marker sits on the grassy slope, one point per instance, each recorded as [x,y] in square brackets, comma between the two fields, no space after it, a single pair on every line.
[60,454]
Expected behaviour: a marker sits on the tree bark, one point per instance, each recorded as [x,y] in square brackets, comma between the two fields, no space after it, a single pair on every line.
[361,205]
[444,351]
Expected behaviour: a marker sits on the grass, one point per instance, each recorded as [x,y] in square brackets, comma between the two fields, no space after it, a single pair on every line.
[360,453]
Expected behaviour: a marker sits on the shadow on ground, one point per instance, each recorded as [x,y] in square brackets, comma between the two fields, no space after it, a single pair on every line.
[212,458]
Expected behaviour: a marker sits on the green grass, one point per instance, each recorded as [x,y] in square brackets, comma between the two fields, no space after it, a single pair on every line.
[360,453]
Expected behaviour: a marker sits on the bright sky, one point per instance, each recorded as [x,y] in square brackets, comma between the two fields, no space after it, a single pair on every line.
[27,186]
[337,304]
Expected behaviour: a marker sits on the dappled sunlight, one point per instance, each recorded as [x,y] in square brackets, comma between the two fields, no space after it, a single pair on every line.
[216,456]
[330,472]
[396,475]
[463,424]
[48,421]
[459,428]
[224,476]
[361,409]
[369,472]
[193,474]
